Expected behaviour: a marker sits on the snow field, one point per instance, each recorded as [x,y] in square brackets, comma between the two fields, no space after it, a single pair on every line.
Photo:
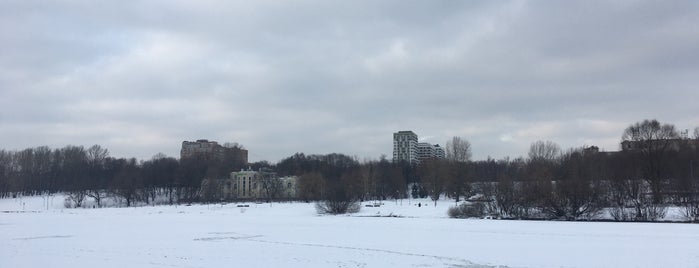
[292,235]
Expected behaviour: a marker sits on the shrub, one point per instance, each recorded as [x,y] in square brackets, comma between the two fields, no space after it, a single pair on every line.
[621,214]
[691,211]
[467,210]
[335,207]
[642,211]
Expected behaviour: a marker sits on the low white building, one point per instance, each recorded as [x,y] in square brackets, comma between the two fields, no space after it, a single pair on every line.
[250,184]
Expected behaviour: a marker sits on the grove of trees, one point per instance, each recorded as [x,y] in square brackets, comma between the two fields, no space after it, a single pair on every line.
[91,172]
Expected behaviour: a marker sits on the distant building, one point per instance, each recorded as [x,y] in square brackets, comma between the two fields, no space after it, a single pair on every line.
[427,151]
[439,152]
[247,183]
[667,144]
[250,184]
[211,150]
[591,150]
[201,147]
[405,147]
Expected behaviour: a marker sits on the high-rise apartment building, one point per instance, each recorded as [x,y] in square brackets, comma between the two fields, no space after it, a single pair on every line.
[405,147]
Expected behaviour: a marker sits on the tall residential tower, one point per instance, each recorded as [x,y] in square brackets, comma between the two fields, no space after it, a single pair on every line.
[405,147]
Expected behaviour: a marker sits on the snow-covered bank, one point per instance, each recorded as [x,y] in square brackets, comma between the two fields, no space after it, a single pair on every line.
[292,235]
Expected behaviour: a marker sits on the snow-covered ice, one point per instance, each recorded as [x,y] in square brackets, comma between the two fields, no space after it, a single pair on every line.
[292,235]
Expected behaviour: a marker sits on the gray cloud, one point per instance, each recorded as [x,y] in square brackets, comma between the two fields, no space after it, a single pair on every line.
[320,77]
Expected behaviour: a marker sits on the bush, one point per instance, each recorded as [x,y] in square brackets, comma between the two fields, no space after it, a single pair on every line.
[691,211]
[335,207]
[467,210]
[645,211]
[621,214]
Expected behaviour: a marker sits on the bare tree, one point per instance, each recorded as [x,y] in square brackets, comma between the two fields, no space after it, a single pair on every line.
[311,186]
[433,176]
[577,192]
[96,157]
[543,158]
[653,140]
[458,183]
[127,182]
[76,197]
[696,133]
[547,151]
[272,187]
[458,149]
[650,132]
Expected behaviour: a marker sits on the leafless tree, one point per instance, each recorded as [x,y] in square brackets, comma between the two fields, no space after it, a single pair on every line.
[96,155]
[458,149]
[272,187]
[458,180]
[76,197]
[543,158]
[311,186]
[433,176]
[127,182]
[649,131]
[506,199]
[654,140]
[577,192]
[547,151]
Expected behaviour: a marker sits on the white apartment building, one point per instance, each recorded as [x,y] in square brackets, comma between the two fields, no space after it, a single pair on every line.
[405,147]
[426,151]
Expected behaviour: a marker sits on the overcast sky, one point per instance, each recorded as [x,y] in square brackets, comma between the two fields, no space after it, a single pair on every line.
[281,77]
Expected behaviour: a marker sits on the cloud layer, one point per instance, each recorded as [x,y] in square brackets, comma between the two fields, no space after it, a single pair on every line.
[320,77]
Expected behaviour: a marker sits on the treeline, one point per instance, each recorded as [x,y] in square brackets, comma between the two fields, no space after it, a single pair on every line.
[341,176]
[90,172]
[656,169]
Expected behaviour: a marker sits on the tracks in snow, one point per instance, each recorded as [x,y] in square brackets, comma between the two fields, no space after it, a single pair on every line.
[255,238]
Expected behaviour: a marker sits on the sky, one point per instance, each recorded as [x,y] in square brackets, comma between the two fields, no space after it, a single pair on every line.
[280,77]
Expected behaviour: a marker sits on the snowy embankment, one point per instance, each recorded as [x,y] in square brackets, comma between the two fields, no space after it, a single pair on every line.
[292,235]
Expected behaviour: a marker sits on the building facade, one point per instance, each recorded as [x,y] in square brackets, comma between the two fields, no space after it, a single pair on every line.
[212,150]
[427,151]
[251,185]
[201,147]
[405,147]
[659,145]
[439,152]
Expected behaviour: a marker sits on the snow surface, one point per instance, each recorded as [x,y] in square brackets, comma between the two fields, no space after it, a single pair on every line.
[38,232]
